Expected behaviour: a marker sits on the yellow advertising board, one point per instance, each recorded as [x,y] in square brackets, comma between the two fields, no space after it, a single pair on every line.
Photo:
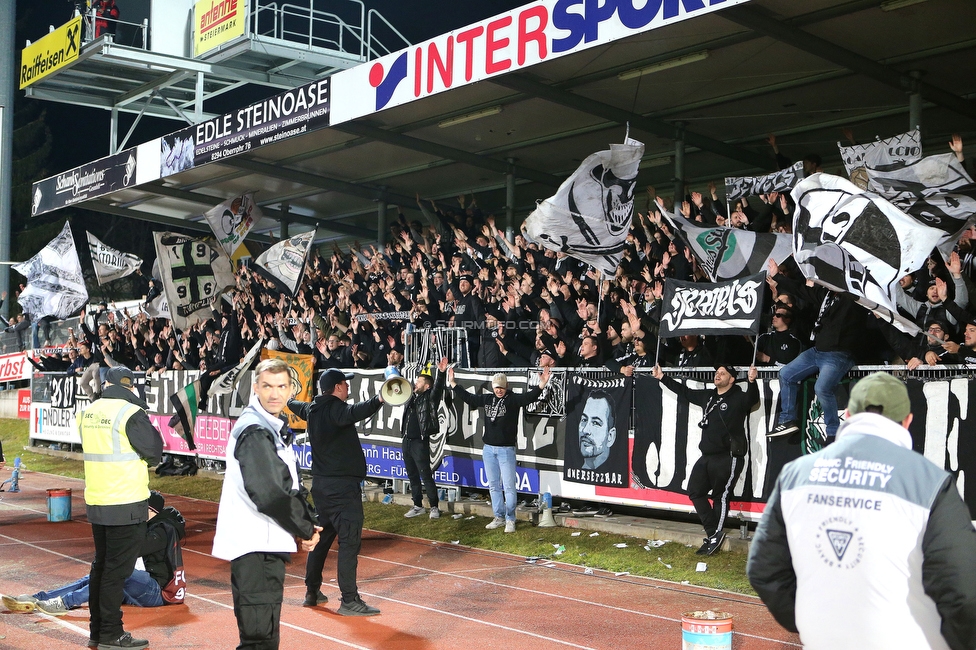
[217,21]
[51,53]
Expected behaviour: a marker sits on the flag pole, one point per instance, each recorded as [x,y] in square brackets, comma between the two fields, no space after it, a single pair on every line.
[657,348]
[755,349]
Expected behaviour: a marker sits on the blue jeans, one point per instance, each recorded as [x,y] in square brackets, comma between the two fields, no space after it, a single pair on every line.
[500,471]
[832,366]
[140,590]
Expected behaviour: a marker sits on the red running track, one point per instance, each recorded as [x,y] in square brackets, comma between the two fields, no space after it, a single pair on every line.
[433,596]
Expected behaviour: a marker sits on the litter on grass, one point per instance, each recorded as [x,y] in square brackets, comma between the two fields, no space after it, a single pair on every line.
[657,543]
[594,534]
[664,563]
[588,571]
[701,567]
[576,534]
[456,541]
[622,573]
[469,518]
[621,545]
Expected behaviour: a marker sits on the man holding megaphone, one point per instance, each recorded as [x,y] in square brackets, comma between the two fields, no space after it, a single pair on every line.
[419,423]
[338,468]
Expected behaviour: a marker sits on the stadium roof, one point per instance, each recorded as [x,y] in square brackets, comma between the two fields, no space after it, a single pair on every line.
[719,76]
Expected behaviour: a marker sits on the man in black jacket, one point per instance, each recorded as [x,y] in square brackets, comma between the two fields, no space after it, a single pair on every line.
[418,425]
[500,440]
[723,445]
[338,469]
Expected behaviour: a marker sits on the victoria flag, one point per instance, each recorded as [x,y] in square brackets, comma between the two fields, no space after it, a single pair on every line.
[732,307]
[110,264]
[284,263]
[589,216]
[851,240]
[935,190]
[55,284]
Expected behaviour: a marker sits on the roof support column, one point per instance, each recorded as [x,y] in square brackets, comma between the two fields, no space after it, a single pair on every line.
[198,99]
[679,165]
[113,131]
[8,19]
[915,102]
[283,222]
[381,222]
[510,201]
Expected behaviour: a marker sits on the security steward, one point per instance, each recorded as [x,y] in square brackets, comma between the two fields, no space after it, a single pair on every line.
[338,469]
[418,425]
[120,444]
[263,515]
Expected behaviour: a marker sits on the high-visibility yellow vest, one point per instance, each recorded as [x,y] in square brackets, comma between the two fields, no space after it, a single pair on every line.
[114,473]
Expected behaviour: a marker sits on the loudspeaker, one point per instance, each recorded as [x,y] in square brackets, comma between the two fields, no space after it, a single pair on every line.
[396,391]
[546,520]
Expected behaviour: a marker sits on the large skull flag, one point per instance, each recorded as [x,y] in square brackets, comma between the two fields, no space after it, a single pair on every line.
[589,216]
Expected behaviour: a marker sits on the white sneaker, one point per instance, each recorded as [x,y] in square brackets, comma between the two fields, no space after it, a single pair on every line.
[435,513]
[415,511]
[495,523]
[54,606]
[509,526]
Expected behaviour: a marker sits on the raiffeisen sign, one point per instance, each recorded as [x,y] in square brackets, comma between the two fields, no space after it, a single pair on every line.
[517,39]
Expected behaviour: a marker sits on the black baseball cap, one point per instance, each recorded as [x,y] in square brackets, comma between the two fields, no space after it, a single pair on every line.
[120,376]
[332,378]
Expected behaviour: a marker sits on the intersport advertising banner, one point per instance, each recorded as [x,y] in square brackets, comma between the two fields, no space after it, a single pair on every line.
[523,37]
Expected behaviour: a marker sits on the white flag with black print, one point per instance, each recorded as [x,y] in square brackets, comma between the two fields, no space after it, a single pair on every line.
[284,263]
[589,216]
[782,181]
[110,263]
[729,253]
[935,190]
[848,239]
[904,148]
[226,382]
[233,219]
[55,284]
[694,308]
[194,274]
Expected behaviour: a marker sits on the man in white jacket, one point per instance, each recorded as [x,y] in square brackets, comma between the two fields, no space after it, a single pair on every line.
[263,513]
[866,543]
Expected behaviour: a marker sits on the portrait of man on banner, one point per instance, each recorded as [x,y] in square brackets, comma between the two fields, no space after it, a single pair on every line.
[301,367]
[596,432]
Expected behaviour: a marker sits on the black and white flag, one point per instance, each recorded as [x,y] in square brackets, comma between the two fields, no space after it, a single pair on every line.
[732,307]
[597,449]
[589,216]
[284,263]
[848,239]
[729,253]
[904,148]
[194,274]
[55,284]
[110,263]
[232,220]
[935,190]
[782,181]
[226,382]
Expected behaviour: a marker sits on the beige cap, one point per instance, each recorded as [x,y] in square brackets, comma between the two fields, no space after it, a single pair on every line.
[499,380]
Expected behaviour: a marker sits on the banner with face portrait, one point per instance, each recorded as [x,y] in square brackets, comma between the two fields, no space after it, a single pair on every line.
[597,429]
[300,366]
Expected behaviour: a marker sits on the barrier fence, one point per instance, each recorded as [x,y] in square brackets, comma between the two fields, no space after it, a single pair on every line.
[650,443]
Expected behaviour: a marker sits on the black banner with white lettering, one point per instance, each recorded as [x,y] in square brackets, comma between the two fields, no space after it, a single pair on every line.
[597,431]
[732,307]
[63,392]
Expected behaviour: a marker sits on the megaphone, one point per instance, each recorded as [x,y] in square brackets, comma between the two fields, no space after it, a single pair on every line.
[395,390]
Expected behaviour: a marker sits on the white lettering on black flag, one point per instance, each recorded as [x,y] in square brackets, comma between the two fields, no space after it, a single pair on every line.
[110,263]
[782,181]
[589,216]
[848,239]
[55,284]
[729,253]
[903,148]
[284,263]
[194,274]
[935,190]
[730,307]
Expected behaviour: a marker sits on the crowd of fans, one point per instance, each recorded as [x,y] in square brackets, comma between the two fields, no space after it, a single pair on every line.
[522,305]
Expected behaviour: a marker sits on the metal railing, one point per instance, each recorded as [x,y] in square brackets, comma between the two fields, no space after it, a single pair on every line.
[427,346]
[142,28]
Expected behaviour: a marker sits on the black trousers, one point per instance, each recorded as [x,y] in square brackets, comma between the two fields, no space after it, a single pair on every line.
[416,460]
[339,505]
[257,581]
[116,551]
[710,488]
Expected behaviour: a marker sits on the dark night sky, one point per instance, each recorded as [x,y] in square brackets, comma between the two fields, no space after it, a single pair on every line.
[82,135]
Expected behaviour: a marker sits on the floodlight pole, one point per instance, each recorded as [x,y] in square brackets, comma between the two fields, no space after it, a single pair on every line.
[8,19]
[381,221]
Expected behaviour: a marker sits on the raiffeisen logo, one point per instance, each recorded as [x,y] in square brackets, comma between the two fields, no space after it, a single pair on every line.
[386,83]
[514,40]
